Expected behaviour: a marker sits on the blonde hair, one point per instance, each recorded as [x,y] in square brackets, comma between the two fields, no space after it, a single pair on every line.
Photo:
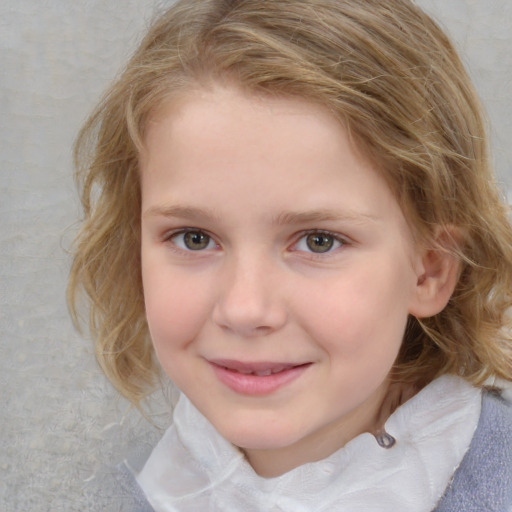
[387,71]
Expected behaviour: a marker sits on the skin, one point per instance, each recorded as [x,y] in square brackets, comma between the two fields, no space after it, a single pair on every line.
[253,177]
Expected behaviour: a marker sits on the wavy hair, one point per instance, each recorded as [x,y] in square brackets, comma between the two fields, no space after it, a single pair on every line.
[391,76]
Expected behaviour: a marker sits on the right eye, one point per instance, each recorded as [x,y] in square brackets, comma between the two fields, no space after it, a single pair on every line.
[193,240]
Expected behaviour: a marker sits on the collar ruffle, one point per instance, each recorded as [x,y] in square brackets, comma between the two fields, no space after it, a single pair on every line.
[193,468]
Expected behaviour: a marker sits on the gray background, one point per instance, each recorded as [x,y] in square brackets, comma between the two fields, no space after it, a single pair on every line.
[61,425]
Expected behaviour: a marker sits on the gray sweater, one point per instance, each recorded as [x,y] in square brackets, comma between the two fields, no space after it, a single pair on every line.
[482,483]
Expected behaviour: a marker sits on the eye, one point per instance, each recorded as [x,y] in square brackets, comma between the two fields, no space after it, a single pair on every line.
[318,242]
[193,240]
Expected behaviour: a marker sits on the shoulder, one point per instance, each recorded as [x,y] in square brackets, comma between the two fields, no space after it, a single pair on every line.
[483,481]
[133,498]
[129,496]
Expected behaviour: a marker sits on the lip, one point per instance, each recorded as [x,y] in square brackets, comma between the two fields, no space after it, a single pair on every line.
[270,377]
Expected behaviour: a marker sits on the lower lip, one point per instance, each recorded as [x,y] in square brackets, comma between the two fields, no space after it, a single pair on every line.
[255,385]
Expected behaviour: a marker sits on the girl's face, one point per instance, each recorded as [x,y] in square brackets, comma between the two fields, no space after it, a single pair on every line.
[278,270]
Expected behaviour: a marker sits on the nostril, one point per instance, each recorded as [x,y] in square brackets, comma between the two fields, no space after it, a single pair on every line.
[263,329]
[247,330]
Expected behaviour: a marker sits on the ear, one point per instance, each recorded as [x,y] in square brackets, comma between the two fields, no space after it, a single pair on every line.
[438,272]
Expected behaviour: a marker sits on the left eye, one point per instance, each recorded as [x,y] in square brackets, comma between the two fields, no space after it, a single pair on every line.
[193,241]
[318,242]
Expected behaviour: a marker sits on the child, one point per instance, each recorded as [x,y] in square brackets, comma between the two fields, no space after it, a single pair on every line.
[290,204]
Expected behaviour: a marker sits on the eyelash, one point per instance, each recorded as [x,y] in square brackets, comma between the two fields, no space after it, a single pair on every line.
[171,237]
[337,241]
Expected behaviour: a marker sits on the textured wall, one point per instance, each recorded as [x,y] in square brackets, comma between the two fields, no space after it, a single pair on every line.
[61,425]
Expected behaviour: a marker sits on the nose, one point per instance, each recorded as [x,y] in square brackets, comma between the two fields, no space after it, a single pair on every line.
[250,300]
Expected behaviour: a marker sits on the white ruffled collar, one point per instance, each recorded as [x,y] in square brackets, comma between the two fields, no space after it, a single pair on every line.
[193,468]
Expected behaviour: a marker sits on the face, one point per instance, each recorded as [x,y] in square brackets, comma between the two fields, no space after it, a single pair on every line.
[278,271]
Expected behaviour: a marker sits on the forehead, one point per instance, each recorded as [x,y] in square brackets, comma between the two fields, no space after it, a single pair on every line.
[278,154]
[190,120]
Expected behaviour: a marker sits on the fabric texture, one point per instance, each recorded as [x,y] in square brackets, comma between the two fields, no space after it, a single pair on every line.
[132,496]
[483,481]
[198,470]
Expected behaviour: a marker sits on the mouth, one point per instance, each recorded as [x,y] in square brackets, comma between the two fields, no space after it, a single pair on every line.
[256,378]
[261,369]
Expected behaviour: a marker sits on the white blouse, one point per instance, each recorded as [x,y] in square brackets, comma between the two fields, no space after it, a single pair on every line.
[193,468]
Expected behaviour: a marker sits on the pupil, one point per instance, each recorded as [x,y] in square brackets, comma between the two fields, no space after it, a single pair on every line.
[319,242]
[195,240]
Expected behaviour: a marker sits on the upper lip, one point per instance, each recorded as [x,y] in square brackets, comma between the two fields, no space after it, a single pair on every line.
[254,366]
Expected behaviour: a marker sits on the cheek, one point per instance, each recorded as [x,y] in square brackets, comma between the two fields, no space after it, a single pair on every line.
[360,317]
[175,310]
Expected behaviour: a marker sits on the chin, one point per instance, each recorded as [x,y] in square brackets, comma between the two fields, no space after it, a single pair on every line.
[258,437]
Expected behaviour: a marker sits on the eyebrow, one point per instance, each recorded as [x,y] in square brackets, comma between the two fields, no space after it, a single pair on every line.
[282,219]
[321,215]
[181,211]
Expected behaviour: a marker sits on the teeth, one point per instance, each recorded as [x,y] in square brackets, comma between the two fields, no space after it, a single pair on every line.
[263,373]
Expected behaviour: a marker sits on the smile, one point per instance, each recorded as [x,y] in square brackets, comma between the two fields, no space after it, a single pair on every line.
[264,373]
[256,379]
